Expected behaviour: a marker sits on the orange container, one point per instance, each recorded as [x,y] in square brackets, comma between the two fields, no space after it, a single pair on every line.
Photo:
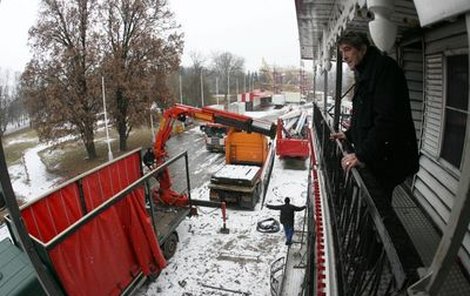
[245,148]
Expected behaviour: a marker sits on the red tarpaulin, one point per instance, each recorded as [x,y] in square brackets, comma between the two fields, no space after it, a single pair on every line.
[107,252]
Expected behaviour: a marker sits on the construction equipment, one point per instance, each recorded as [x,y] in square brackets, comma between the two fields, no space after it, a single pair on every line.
[104,225]
[292,135]
[215,135]
[246,144]
[240,180]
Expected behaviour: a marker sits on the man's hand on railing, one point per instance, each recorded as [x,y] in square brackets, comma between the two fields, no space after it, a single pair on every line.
[349,161]
[339,136]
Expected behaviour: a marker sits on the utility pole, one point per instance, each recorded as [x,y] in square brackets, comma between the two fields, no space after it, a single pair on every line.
[181,91]
[110,153]
[228,86]
[202,90]
[151,123]
[217,89]
[244,82]
[238,92]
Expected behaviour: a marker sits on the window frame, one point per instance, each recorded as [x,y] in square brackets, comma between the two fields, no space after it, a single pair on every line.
[455,170]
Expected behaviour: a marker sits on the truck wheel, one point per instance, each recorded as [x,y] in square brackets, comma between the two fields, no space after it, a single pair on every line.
[169,247]
[255,197]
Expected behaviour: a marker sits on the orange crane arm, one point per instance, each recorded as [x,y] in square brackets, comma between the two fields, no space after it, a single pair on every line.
[181,112]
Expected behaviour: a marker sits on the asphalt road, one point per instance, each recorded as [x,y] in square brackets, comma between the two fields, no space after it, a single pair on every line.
[201,163]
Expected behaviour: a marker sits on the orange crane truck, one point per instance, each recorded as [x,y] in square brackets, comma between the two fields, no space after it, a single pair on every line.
[246,148]
[242,180]
[112,225]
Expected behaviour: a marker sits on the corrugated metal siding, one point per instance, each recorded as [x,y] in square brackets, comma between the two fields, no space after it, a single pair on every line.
[433,108]
[412,64]
[435,185]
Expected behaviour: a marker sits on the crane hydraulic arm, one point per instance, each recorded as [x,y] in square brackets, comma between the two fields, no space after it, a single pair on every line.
[206,114]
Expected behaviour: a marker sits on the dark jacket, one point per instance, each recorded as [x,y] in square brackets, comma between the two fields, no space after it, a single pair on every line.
[149,158]
[382,130]
[287,213]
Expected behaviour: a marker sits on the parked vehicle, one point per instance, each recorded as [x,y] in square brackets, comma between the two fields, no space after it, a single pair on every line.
[292,135]
[279,100]
[246,144]
[103,227]
[215,135]
[242,180]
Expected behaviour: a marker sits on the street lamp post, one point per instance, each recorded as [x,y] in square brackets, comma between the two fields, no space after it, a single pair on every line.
[151,123]
[202,90]
[238,91]
[244,82]
[110,153]
[181,91]
[217,89]
[228,86]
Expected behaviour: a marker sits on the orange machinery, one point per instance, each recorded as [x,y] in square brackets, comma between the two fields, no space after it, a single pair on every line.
[290,144]
[206,114]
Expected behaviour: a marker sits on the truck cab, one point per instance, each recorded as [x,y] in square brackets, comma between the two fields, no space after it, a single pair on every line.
[214,136]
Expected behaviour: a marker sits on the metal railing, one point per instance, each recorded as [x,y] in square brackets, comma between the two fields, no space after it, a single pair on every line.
[276,277]
[373,255]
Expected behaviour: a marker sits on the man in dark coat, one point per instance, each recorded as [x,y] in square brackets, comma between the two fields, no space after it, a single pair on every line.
[382,131]
[287,217]
[149,158]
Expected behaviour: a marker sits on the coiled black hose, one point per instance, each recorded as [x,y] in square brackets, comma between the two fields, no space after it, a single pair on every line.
[269,225]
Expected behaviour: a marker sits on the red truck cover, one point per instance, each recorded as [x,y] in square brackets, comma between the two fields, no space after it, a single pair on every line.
[105,254]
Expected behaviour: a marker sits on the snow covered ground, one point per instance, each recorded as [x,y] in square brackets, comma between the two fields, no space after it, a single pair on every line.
[30,178]
[208,262]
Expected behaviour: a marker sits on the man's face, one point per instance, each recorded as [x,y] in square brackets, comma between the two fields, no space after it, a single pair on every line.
[351,55]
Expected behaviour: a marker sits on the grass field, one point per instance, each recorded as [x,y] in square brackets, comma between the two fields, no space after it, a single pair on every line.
[69,158]
[16,143]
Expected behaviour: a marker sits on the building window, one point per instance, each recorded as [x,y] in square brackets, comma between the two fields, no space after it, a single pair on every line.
[456,109]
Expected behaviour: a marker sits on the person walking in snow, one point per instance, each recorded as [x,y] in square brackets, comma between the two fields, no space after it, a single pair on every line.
[287,217]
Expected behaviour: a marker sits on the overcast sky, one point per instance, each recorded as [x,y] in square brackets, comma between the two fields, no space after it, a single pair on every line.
[252,29]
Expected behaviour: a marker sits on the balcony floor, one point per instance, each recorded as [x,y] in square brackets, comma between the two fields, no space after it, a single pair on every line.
[426,240]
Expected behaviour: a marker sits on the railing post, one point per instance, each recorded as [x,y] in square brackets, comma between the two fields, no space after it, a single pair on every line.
[369,253]
[339,84]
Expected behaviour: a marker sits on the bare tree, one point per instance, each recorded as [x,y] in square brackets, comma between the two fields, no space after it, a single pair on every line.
[61,82]
[194,77]
[266,76]
[227,65]
[4,104]
[143,48]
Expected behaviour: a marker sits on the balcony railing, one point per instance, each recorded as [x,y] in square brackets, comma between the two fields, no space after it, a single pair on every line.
[373,253]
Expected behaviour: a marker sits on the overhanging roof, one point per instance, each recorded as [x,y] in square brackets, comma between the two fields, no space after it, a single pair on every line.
[321,22]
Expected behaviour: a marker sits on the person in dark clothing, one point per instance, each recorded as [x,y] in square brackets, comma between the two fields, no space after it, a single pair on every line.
[287,217]
[149,158]
[382,131]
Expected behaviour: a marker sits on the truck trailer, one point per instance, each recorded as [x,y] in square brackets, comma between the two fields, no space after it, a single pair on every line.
[100,227]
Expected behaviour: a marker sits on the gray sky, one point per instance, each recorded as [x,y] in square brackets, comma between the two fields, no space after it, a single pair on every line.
[252,29]
[16,17]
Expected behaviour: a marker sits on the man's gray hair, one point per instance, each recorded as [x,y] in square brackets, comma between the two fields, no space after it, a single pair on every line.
[355,39]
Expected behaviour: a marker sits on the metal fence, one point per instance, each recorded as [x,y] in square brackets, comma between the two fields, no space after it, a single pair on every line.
[373,255]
